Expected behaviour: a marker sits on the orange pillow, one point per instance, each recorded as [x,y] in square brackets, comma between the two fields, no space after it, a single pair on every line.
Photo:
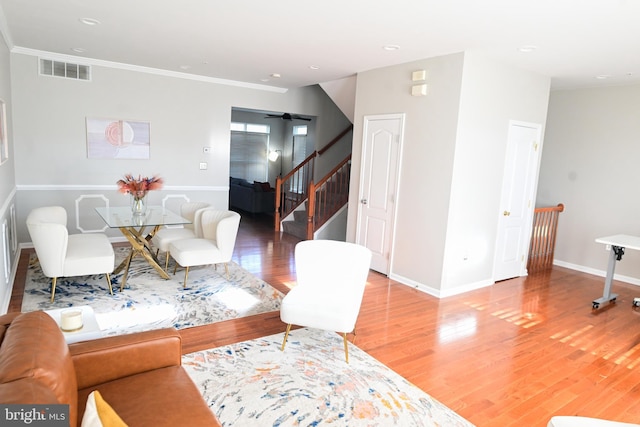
[99,413]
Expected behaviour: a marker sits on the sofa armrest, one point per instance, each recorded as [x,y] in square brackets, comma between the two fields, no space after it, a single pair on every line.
[110,358]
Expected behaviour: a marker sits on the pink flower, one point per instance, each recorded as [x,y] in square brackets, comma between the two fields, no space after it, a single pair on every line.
[139,187]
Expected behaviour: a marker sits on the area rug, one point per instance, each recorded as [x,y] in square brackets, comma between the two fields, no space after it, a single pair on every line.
[151,302]
[253,383]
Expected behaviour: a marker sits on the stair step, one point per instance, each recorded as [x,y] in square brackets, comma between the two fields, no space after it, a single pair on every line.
[300,216]
[295,228]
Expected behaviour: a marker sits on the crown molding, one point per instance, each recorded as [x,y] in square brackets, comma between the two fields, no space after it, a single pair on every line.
[137,68]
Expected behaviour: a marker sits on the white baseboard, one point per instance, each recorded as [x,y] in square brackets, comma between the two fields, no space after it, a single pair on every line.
[602,273]
[437,292]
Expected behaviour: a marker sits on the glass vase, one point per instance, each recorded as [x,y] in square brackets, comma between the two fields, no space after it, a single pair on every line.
[138,205]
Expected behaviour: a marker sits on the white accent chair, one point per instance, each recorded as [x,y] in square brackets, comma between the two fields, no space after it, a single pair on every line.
[66,255]
[573,421]
[219,232]
[331,278]
[163,238]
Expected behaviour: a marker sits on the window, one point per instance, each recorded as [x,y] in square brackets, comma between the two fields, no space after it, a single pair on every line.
[299,144]
[249,144]
[299,154]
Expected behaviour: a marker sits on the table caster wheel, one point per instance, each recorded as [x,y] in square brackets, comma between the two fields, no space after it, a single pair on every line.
[596,305]
[636,302]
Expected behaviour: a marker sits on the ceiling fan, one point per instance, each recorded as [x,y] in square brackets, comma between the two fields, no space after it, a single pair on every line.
[287,116]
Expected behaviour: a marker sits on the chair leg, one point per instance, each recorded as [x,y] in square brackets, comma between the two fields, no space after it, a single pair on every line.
[186,274]
[346,346]
[226,269]
[109,283]
[166,262]
[286,334]
[53,287]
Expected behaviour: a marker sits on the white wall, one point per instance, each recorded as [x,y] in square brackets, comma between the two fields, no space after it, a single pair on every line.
[452,163]
[7,188]
[184,115]
[426,168]
[590,164]
[492,95]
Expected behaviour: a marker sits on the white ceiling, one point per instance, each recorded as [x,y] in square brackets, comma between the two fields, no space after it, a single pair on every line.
[249,40]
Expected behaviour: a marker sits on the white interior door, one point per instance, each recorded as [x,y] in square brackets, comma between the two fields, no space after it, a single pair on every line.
[516,212]
[381,149]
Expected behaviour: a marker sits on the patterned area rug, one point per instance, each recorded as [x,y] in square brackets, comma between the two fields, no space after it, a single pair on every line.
[151,302]
[253,383]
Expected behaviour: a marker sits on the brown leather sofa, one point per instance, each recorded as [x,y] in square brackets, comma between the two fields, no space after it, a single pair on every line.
[139,375]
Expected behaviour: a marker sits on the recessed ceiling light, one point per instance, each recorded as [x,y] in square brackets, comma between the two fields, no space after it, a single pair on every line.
[391,47]
[314,67]
[89,21]
[603,76]
[264,80]
[78,49]
[185,67]
[275,75]
[527,48]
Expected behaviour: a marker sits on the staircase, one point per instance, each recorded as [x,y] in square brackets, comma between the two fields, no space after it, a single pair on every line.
[543,238]
[302,206]
[327,197]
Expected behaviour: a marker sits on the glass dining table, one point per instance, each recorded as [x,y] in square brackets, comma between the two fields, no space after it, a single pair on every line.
[138,230]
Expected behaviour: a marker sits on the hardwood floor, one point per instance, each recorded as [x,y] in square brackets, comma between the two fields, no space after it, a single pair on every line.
[513,354]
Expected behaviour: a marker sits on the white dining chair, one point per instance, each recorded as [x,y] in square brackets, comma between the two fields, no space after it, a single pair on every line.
[166,235]
[67,255]
[219,232]
[331,278]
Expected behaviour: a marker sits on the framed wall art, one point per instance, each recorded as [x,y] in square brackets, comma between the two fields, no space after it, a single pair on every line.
[117,139]
[4,142]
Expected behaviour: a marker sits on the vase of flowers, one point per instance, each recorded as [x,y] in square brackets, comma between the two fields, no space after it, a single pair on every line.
[138,189]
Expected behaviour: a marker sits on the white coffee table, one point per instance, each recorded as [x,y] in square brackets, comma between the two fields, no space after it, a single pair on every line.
[90,329]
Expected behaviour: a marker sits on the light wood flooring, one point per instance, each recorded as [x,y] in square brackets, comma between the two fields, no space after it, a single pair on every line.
[513,354]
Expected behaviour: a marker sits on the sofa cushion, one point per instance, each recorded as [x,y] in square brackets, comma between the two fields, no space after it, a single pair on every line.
[262,186]
[164,397]
[34,349]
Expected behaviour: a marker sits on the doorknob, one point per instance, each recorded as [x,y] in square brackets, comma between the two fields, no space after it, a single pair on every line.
[506,213]
[363,201]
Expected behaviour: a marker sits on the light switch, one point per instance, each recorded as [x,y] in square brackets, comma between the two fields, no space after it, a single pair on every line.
[203,166]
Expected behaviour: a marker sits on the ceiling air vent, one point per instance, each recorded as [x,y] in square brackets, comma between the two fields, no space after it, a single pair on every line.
[67,70]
